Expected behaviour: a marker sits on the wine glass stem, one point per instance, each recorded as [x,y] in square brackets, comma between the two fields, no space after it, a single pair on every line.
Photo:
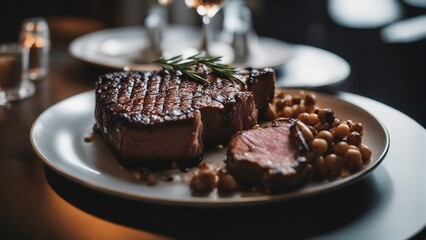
[207,37]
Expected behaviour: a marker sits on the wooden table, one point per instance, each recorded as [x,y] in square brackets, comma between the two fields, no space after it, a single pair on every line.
[38,203]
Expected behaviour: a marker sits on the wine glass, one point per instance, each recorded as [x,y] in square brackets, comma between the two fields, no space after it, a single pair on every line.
[207,9]
[155,23]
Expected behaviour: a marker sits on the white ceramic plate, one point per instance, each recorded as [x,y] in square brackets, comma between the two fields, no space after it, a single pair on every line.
[311,67]
[58,138]
[121,47]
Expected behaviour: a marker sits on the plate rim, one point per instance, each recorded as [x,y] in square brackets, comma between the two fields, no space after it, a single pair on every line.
[220,202]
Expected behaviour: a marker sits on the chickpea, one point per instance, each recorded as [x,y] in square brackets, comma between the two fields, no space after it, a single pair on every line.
[288,101]
[226,183]
[280,104]
[313,119]
[353,160]
[353,147]
[318,167]
[349,122]
[287,111]
[310,108]
[326,115]
[354,138]
[296,100]
[326,135]
[365,153]
[341,148]
[303,117]
[297,109]
[341,131]
[336,122]
[357,127]
[334,165]
[310,99]
[319,146]
[294,111]
[321,126]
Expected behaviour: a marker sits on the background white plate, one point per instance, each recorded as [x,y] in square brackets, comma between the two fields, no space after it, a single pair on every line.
[297,66]
[121,47]
[58,138]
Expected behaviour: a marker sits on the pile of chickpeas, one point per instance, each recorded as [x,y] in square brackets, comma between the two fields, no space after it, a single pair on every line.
[335,147]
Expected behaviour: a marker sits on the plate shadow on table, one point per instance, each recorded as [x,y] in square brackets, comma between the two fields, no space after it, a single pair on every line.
[292,219]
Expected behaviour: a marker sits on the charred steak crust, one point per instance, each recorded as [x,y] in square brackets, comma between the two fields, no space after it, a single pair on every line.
[268,157]
[262,84]
[153,118]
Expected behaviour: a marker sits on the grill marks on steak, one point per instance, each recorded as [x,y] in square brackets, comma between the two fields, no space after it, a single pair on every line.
[155,118]
[268,157]
[146,98]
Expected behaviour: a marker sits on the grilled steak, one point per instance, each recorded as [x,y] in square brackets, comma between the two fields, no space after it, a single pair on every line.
[154,118]
[270,157]
[262,85]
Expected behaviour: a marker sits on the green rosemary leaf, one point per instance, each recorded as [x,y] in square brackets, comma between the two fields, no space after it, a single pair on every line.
[178,63]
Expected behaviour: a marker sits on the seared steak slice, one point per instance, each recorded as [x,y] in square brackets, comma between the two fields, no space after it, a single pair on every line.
[154,118]
[262,84]
[269,157]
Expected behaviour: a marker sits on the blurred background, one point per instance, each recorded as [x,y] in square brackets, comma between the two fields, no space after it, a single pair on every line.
[388,63]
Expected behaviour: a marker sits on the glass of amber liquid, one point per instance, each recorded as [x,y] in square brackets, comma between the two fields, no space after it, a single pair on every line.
[14,84]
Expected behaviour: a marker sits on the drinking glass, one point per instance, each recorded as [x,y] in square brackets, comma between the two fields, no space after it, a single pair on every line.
[155,23]
[35,36]
[14,84]
[207,9]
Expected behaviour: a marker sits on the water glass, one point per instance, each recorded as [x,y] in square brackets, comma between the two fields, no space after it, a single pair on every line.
[14,84]
[35,36]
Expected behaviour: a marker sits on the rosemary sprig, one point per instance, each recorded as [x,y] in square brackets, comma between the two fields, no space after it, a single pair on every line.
[186,66]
